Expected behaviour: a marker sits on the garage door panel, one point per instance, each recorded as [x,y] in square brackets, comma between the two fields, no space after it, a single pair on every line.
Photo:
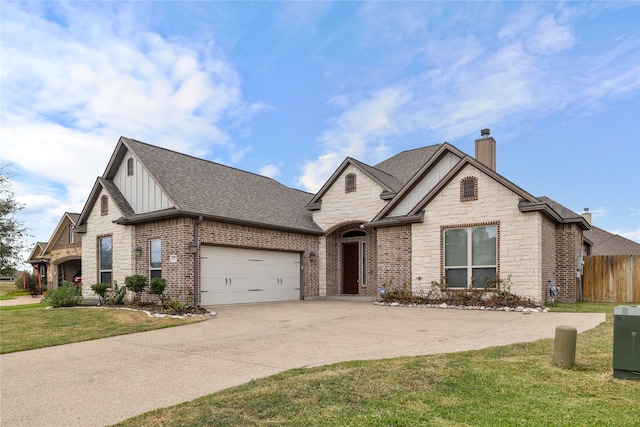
[234,275]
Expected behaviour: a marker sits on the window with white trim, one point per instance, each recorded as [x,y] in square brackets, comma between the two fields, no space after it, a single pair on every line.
[72,234]
[105,248]
[470,256]
[155,258]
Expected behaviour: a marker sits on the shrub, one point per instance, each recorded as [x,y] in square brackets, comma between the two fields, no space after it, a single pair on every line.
[101,289]
[173,306]
[66,296]
[115,294]
[136,284]
[157,287]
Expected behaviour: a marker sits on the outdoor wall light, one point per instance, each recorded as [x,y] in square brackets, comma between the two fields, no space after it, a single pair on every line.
[193,247]
[312,255]
[138,250]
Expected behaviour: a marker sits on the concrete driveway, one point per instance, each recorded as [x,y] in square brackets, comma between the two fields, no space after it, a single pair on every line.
[104,381]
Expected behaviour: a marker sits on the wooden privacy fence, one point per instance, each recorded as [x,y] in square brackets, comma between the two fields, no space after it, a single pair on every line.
[611,278]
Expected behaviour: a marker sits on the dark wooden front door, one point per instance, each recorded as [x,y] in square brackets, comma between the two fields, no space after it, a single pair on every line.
[350,268]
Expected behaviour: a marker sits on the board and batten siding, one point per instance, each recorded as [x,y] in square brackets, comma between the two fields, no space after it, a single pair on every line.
[140,189]
[434,176]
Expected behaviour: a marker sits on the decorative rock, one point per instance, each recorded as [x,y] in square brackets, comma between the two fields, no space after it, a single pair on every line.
[518,309]
[507,309]
[443,305]
[394,304]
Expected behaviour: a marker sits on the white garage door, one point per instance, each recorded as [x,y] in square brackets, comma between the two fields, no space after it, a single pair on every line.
[233,275]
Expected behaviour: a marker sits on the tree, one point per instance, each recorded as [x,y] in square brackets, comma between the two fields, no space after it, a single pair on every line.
[13,233]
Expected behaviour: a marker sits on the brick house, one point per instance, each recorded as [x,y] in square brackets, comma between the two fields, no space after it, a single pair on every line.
[221,235]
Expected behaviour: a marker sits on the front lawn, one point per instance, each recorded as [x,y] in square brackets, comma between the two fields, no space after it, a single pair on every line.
[515,385]
[26,327]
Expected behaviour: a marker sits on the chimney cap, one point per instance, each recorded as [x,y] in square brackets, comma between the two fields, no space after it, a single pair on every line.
[586,209]
[485,132]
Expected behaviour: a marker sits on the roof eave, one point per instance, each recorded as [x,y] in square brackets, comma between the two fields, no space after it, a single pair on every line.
[174,213]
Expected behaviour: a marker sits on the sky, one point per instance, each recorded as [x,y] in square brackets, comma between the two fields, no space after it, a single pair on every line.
[289,89]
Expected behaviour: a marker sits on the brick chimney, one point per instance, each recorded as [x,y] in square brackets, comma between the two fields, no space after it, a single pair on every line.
[486,149]
[587,215]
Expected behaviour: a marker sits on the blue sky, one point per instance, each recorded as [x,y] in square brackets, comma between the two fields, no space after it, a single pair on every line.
[289,89]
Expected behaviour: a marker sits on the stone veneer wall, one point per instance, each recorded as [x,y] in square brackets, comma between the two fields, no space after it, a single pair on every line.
[123,244]
[344,209]
[62,252]
[339,206]
[520,234]
[394,256]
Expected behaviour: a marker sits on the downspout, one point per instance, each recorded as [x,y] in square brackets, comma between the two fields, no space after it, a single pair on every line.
[196,261]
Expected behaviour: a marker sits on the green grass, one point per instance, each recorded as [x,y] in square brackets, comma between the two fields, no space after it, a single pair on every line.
[515,385]
[27,327]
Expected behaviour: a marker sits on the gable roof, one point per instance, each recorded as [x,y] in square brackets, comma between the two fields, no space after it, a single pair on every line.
[198,187]
[36,253]
[391,174]
[528,202]
[403,166]
[605,243]
[72,218]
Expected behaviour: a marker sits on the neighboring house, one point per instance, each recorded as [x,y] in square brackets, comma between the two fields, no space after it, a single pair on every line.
[64,252]
[221,235]
[601,242]
[39,263]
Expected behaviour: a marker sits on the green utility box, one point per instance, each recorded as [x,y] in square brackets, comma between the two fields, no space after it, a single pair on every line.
[626,342]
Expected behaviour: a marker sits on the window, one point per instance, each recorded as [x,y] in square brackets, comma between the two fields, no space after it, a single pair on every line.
[470,256]
[155,258]
[104,206]
[364,264]
[72,234]
[350,183]
[469,189]
[106,254]
[130,166]
[354,233]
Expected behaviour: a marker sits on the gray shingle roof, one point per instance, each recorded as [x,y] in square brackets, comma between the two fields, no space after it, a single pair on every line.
[605,243]
[564,213]
[198,186]
[403,166]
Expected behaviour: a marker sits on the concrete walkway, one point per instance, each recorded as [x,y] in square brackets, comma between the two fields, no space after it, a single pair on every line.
[21,300]
[104,381]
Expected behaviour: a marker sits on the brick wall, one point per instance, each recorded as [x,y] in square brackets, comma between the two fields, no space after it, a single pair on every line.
[177,233]
[548,256]
[217,233]
[394,255]
[568,243]
[333,273]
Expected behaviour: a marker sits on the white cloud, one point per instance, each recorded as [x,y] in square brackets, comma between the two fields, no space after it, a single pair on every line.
[356,133]
[550,37]
[71,85]
[631,235]
[532,66]
[270,171]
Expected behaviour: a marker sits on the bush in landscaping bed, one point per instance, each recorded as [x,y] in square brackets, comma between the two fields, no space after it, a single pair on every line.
[479,297]
[66,296]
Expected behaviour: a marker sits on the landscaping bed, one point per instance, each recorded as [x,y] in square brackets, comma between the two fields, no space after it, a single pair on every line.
[462,299]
